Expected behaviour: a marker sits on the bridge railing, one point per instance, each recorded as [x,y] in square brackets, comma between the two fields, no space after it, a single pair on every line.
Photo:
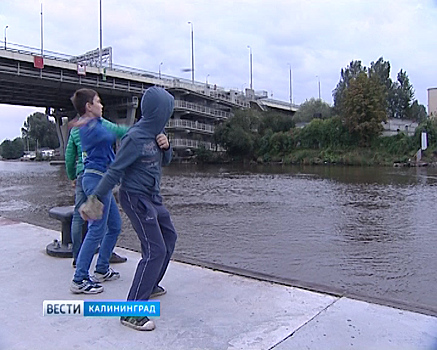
[188,124]
[35,52]
[280,103]
[202,109]
[185,143]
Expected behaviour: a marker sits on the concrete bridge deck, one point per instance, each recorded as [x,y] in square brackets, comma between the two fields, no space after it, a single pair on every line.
[203,309]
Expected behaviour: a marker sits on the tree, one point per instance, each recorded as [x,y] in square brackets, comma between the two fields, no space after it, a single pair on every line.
[238,134]
[364,108]
[406,92]
[400,97]
[381,71]
[276,122]
[311,135]
[417,112]
[347,75]
[12,149]
[311,109]
[29,144]
[39,130]
[401,103]
[399,94]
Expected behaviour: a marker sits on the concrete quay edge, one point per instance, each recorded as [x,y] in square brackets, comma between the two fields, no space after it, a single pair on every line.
[204,308]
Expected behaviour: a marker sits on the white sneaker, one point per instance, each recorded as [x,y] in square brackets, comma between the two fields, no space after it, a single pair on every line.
[110,275]
[86,287]
[138,323]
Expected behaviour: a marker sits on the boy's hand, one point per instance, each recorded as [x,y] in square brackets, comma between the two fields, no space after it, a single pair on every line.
[92,209]
[78,122]
[162,141]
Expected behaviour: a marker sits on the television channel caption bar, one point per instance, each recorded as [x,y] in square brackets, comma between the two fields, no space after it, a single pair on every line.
[101,308]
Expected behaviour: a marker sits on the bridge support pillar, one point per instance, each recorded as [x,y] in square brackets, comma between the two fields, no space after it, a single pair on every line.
[130,115]
[62,129]
[129,106]
[61,122]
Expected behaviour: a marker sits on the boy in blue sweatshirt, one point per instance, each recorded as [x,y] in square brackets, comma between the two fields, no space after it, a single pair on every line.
[143,151]
[97,153]
[74,168]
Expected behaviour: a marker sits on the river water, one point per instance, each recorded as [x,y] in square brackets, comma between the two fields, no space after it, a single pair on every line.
[364,231]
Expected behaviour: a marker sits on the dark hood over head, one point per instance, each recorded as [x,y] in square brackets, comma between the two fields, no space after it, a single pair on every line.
[156,109]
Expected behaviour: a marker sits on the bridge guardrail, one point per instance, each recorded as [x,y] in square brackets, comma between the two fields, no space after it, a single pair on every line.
[188,124]
[216,113]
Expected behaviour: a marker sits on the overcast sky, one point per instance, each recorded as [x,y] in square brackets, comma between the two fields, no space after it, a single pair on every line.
[315,38]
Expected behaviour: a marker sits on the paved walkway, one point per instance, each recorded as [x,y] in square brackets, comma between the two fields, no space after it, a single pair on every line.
[203,309]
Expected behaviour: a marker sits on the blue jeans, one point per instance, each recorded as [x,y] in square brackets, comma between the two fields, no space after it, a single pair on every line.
[104,232]
[152,223]
[77,222]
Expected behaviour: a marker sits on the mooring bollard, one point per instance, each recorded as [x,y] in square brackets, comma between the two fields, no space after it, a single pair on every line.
[62,249]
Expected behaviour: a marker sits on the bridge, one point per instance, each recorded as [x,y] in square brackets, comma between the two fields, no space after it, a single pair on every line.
[28,79]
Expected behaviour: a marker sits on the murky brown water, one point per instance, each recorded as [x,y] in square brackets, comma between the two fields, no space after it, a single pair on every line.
[368,231]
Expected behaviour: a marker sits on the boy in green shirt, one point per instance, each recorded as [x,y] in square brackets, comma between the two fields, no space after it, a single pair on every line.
[74,168]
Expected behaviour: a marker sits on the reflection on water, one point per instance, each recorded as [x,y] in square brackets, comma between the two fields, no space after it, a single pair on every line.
[369,231]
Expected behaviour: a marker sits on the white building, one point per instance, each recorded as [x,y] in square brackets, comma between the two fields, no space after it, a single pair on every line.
[432,102]
[394,126]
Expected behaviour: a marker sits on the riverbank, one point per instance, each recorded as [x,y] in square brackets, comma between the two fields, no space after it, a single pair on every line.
[203,309]
[354,157]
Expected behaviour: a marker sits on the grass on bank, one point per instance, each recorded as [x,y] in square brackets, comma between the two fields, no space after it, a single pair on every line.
[356,156]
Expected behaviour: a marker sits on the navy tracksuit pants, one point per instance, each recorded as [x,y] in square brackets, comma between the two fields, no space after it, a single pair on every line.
[152,223]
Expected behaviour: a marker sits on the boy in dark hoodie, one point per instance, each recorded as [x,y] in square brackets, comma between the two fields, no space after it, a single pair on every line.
[143,151]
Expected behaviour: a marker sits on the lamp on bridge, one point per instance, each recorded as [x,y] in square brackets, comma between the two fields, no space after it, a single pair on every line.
[5,35]
[250,50]
[291,86]
[192,53]
[318,78]
[160,70]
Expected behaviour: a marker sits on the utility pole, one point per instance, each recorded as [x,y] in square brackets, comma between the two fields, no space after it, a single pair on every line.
[251,71]
[42,34]
[192,53]
[101,39]
[291,87]
[319,85]
[5,35]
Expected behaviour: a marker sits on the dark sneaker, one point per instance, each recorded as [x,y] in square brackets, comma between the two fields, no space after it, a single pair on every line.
[157,291]
[86,287]
[74,264]
[110,275]
[138,323]
[117,259]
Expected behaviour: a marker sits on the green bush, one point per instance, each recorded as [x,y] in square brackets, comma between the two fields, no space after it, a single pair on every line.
[12,149]
[399,144]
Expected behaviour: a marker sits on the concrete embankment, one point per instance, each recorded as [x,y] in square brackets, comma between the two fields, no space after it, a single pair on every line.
[203,309]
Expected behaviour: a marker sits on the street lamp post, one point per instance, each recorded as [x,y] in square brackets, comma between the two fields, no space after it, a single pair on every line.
[291,87]
[42,34]
[101,39]
[250,58]
[160,70]
[5,35]
[318,78]
[192,53]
